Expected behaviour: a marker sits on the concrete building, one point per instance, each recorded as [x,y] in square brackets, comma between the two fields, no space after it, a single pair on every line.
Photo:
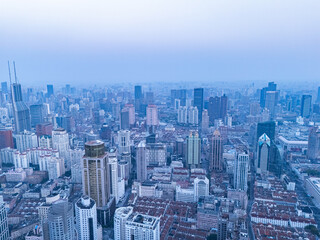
[241,169]
[113,170]
[4,228]
[201,187]
[120,218]
[216,151]
[314,143]
[60,141]
[152,116]
[86,219]
[193,116]
[193,149]
[25,140]
[141,161]
[263,154]
[313,188]
[124,142]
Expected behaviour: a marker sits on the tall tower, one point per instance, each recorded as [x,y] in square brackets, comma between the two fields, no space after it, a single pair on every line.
[86,219]
[141,161]
[193,149]
[60,141]
[263,154]
[201,187]
[21,111]
[113,169]
[4,228]
[124,141]
[138,97]
[306,105]
[216,151]
[60,220]
[241,172]
[152,116]
[314,143]
[198,101]
[95,173]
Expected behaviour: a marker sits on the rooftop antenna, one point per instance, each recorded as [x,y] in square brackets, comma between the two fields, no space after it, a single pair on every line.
[15,74]
[9,72]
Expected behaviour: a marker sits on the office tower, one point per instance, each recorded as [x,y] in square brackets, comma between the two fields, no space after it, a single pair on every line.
[124,119]
[314,143]
[75,157]
[318,96]
[55,167]
[205,121]
[95,173]
[66,122]
[141,161]
[193,116]
[113,170]
[271,102]
[124,141]
[38,113]
[179,94]
[254,108]
[132,117]
[271,87]
[193,149]
[275,160]
[182,115]
[120,218]
[217,108]
[60,141]
[140,226]
[6,139]
[60,220]
[198,101]
[152,116]
[268,128]
[105,132]
[49,90]
[216,151]
[155,153]
[201,187]
[4,228]
[149,98]
[263,154]
[86,219]
[177,104]
[240,175]
[4,87]
[25,140]
[306,105]
[138,97]
[20,109]
[222,229]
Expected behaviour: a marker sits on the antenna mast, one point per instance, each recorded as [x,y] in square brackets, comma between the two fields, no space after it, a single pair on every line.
[9,72]
[15,74]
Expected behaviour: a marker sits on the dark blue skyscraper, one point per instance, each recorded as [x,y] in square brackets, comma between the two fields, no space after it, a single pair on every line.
[306,105]
[198,101]
[49,90]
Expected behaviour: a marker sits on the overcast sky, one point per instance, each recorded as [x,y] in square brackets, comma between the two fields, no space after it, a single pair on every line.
[93,41]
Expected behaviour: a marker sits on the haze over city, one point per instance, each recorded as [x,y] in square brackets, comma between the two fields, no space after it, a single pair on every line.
[105,42]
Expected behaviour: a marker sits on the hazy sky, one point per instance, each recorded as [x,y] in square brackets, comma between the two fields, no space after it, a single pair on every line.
[84,42]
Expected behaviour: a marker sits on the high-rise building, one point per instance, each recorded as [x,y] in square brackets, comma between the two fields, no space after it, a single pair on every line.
[4,87]
[60,220]
[4,228]
[182,115]
[38,113]
[217,108]
[193,116]
[271,87]
[6,139]
[129,108]
[25,140]
[140,226]
[205,121]
[49,90]
[124,142]
[306,105]
[113,169]
[193,149]
[201,187]
[138,97]
[20,109]
[141,161]
[124,119]
[222,229]
[60,141]
[95,173]
[156,154]
[121,216]
[152,116]
[241,168]
[318,96]
[75,158]
[86,219]
[268,128]
[44,129]
[271,102]
[216,151]
[198,101]
[179,94]
[263,154]
[314,143]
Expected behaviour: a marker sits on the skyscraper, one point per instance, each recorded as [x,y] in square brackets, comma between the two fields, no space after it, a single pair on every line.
[271,87]
[271,102]
[60,141]
[314,143]
[152,116]
[60,220]
[306,105]
[124,119]
[268,128]
[193,149]
[21,111]
[49,90]
[263,154]
[205,121]
[141,161]
[241,168]
[217,108]
[95,173]
[201,187]
[6,139]
[86,219]
[198,101]
[113,169]
[318,96]
[124,141]
[138,97]
[4,228]
[38,114]
[216,151]
[120,218]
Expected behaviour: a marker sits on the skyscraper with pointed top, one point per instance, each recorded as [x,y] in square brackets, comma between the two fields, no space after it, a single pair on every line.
[216,151]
